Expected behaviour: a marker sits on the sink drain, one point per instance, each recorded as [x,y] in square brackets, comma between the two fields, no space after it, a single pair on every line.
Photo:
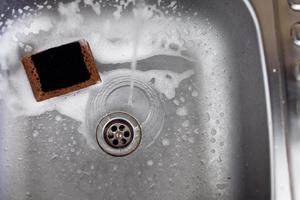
[118,134]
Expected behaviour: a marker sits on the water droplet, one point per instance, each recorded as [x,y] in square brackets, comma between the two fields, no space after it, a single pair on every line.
[194,93]
[213,131]
[207,117]
[150,162]
[35,133]
[176,102]
[184,137]
[191,140]
[186,123]
[165,142]
[54,156]
[58,118]
[196,131]
[28,48]
[50,139]
[212,140]
[221,186]
[182,111]
[182,99]
[174,46]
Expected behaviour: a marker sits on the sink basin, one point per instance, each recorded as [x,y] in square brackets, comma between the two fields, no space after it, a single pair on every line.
[212,140]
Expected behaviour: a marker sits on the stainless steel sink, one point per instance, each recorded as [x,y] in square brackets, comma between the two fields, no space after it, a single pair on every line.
[229,143]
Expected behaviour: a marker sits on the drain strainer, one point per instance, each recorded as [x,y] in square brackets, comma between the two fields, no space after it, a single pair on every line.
[118,134]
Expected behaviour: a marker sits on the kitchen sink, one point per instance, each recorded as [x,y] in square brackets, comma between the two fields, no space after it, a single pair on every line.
[209,107]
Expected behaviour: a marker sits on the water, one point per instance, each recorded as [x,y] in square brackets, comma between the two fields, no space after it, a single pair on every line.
[138,27]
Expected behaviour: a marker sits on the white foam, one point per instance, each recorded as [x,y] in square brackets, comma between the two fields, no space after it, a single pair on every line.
[181,111]
[20,100]
[37,25]
[95,5]
[9,55]
[165,81]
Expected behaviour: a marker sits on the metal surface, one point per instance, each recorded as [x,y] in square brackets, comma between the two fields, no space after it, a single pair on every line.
[266,13]
[288,17]
[295,34]
[118,134]
[232,148]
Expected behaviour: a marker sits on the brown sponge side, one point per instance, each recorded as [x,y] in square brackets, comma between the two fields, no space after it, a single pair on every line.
[35,82]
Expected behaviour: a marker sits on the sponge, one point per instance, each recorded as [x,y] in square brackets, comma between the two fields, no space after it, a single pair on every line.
[61,70]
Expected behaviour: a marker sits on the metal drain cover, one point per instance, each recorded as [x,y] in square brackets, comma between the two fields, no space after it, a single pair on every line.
[118,134]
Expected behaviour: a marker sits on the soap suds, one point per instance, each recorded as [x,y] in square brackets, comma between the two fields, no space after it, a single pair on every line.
[95,6]
[162,84]
[20,100]
[181,111]
[37,25]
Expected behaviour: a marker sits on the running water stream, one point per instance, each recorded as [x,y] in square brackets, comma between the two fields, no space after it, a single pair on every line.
[138,27]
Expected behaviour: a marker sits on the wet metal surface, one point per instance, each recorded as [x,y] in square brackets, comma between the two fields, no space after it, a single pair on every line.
[219,150]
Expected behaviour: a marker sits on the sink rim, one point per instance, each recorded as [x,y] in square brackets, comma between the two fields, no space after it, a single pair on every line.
[275,96]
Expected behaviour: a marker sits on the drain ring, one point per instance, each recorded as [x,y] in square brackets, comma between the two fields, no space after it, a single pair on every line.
[148,108]
[118,134]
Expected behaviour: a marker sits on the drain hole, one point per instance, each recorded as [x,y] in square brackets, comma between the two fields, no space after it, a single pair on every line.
[121,127]
[113,128]
[126,134]
[115,142]
[110,136]
[118,134]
